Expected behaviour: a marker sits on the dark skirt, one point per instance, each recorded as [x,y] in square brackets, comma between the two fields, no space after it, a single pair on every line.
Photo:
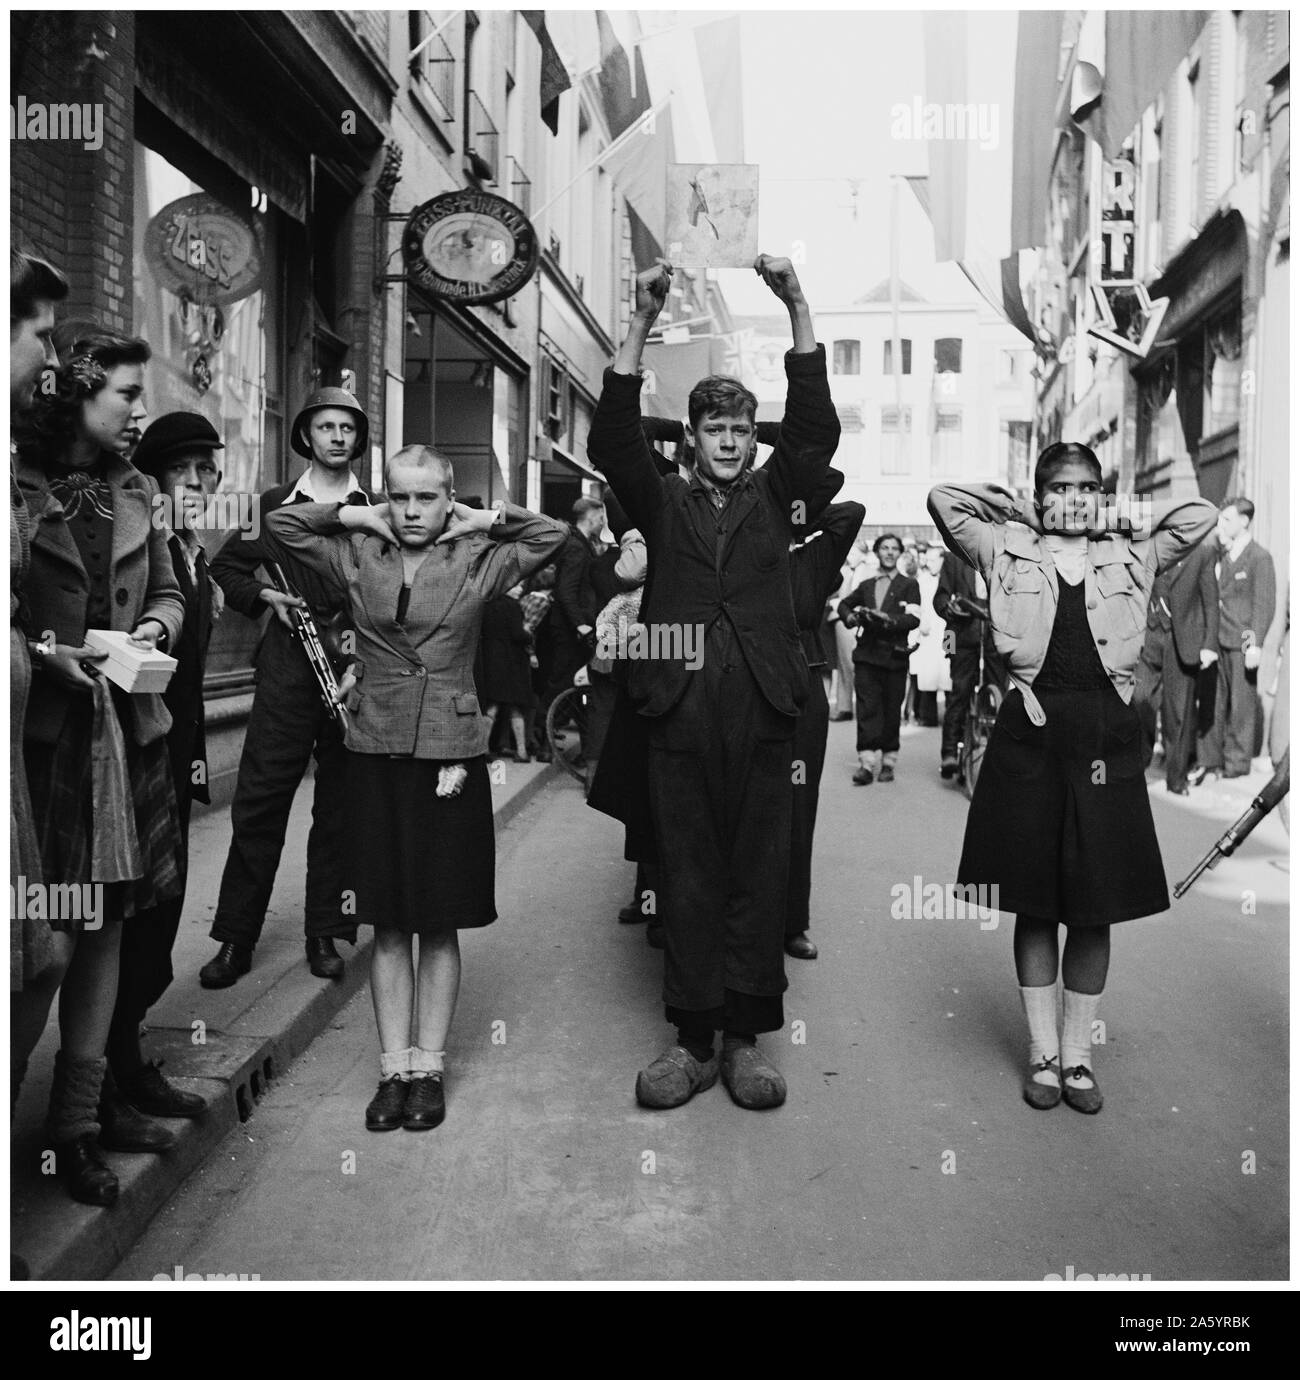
[416,862]
[1060,821]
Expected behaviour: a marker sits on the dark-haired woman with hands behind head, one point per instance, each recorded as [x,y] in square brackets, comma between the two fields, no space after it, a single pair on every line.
[1060,823]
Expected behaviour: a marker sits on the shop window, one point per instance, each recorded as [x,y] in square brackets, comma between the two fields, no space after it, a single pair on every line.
[847,357]
[204,286]
[1222,372]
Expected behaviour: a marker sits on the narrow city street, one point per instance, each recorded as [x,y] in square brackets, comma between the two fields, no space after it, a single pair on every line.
[904,1151]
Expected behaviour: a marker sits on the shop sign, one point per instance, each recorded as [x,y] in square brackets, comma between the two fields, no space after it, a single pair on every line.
[469,247]
[1127,317]
[202,251]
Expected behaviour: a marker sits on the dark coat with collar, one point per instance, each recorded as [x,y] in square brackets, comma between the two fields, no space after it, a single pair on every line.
[1247,596]
[693,578]
[883,643]
[576,604]
[416,696]
[235,569]
[141,582]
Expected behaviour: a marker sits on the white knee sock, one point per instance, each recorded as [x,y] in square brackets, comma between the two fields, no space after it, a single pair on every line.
[1076,1036]
[426,1060]
[1040,1012]
[398,1063]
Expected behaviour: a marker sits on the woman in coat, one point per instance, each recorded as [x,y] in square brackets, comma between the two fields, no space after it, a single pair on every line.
[1060,825]
[96,757]
[418,574]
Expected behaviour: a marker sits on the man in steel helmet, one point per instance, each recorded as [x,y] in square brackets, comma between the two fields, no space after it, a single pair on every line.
[289,723]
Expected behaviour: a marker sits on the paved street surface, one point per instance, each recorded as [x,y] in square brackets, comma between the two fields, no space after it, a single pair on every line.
[909,1066]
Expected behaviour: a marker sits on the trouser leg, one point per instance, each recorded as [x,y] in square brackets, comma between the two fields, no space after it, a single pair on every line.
[964,670]
[278,743]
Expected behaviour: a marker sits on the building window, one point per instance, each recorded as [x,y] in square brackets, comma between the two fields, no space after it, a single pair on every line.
[433,65]
[847,357]
[945,444]
[556,401]
[895,440]
[1222,372]
[905,351]
[947,355]
[206,276]
[1015,453]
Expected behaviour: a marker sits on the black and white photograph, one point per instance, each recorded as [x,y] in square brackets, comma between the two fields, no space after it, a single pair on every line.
[673,630]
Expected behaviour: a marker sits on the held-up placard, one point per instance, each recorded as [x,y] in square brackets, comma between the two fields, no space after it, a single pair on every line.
[712,215]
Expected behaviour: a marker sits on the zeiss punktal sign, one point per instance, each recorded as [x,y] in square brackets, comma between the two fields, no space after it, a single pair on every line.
[1126,316]
[469,247]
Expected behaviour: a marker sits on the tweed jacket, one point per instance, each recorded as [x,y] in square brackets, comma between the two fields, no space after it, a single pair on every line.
[416,695]
[988,527]
[141,583]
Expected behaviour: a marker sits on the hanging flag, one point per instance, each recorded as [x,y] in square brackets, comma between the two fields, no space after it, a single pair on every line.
[639,167]
[622,104]
[555,76]
[718,48]
[1037,83]
[1142,51]
[967,122]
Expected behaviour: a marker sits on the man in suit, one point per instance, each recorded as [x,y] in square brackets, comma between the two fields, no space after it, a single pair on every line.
[289,723]
[882,610]
[1182,639]
[179,452]
[1247,600]
[722,720]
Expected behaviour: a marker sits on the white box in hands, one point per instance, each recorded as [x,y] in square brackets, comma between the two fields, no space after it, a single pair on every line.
[130,666]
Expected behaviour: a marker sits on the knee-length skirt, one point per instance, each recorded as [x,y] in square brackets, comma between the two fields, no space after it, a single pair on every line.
[418,862]
[1060,821]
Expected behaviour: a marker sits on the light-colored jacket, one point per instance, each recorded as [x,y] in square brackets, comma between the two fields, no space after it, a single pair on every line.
[415,696]
[998,535]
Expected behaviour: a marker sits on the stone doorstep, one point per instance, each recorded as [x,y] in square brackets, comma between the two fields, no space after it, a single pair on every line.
[64,1240]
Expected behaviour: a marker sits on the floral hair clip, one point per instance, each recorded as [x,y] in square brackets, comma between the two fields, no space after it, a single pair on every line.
[86,372]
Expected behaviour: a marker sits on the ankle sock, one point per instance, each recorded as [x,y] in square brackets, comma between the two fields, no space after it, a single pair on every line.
[424,1061]
[1040,1013]
[397,1063]
[697,1041]
[1076,1033]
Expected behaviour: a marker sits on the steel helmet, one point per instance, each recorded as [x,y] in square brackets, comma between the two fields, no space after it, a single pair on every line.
[329,397]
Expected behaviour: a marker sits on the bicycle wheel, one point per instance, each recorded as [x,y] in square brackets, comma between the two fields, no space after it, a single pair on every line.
[566,727]
[979,729]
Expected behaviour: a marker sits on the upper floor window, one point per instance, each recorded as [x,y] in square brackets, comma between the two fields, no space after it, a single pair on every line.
[905,354]
[947,355]
[847,357]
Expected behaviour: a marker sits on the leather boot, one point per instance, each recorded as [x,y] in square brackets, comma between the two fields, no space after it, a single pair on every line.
[230,964]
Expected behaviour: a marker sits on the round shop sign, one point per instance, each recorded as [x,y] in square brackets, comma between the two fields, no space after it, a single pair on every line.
[202,251]
[469,247]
